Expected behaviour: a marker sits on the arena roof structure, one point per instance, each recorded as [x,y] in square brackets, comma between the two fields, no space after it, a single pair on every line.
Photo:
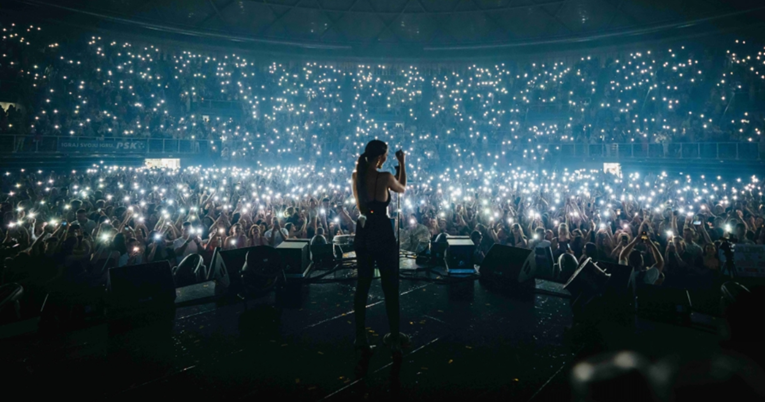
[409,27]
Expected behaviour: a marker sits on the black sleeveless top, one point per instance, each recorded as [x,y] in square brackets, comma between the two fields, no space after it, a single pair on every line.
[376,208]
[377,233]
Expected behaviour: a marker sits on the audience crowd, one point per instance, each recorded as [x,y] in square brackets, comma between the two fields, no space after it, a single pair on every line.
[66,226]
[295,131]
[253,109]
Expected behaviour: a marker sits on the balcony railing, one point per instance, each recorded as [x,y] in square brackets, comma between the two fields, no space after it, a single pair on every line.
[25,144]
[690,150]
[60,145]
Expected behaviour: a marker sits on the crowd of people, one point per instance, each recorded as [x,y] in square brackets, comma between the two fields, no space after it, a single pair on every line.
[66,226]
[287,126]
[303,112]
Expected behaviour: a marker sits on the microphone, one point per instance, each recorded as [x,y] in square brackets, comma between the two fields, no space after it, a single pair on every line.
[399,154]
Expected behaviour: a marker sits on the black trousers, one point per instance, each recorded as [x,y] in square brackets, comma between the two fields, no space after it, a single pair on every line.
[375,246]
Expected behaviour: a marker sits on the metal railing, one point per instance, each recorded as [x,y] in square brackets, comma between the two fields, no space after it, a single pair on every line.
[61,145]
[691,150]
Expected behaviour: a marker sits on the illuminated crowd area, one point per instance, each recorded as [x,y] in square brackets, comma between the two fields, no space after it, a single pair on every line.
[296,130]
[265,111]
[141,215]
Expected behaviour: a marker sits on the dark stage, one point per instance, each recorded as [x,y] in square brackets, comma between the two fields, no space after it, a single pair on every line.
[469,343]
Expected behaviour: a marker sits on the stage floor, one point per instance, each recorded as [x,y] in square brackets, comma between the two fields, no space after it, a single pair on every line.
[469,343]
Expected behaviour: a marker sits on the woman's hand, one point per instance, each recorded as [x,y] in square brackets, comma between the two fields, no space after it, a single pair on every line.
[400,156]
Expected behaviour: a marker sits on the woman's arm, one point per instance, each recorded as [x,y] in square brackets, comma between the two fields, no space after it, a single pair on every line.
[153,252]
[304,230]
[656,255]
[624,254]
[398,184]
[704,235]
[673,225]
[34,249]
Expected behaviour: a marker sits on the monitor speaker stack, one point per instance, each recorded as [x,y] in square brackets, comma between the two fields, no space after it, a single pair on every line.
[295,259]
[509,267]
[136,289]
[459,256]
[226,267]
[602,291]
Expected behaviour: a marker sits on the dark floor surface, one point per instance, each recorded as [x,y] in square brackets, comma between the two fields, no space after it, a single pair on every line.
[469,343]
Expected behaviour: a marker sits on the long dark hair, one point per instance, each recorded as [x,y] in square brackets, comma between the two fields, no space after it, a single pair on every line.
[373,149]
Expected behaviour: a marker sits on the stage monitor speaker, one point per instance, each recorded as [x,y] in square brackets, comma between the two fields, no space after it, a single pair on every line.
[438,250]
[663,303]
[543,263]
[190,271]
[343,244]
[621,278]
[294,258]
[618,298]
[322,254]
[142,286]
[509,266]
[262,269]
[226,266]
[459,256]
[307,241]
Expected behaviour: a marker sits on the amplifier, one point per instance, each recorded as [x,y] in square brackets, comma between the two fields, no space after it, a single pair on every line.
[139,287]
[459,256]
[294,258]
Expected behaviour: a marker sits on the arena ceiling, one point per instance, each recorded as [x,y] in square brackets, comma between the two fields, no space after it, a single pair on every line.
[414,25]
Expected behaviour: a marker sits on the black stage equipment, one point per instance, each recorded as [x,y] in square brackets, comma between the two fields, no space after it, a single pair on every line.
[191,280]
[10,294]
[307,241]
[602,291]
[436,252]
[509,266]
[262,269]
[139,287]
[322,254]
[319,254]
[544,263]
[663,303]
[342,244]
[190,271]
[226,266]
[744,310]
[294,257]
[586,285]
[459,256]
[567,265]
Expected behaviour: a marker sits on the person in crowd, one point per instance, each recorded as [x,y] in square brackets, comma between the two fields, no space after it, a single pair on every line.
[235,239]
[710,259]
[189,243]
[255,237]
[318,238]
[415,237]
[517,238]
[742,234]
[629,256]
[478,254]
[590,251]
[276,235]
[561,243]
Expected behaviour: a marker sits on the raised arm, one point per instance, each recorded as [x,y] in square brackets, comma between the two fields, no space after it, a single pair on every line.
[627,250]
[656,255]
[398,183]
